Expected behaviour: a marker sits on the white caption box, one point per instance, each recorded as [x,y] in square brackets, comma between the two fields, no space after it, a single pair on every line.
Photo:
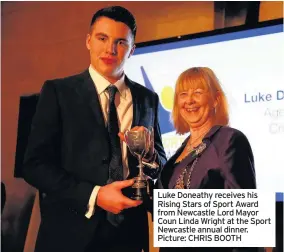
[214,218]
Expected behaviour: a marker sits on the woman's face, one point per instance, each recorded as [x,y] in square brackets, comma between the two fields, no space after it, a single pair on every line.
[196,106]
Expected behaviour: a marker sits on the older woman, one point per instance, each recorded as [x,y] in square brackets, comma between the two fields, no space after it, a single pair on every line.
[214,156]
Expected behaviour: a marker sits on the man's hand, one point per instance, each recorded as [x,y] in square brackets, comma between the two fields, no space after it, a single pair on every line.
[111,199]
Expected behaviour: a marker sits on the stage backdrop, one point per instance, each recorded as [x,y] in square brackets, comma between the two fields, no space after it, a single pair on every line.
[249,65]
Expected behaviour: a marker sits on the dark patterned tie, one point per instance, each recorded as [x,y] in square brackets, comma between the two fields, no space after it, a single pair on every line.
[115,165]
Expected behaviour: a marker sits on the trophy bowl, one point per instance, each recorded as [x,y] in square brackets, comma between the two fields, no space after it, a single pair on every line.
[137,142]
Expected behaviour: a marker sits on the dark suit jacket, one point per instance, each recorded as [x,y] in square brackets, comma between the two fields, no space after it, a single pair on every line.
[226,163]
[68,154]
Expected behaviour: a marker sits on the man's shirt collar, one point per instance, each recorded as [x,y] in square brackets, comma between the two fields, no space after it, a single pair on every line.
[101,83]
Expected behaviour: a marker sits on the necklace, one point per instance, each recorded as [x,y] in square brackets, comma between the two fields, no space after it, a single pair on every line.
[181,183]
[190,147]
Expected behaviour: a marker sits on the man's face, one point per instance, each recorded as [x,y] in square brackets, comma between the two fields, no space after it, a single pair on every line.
[110,44]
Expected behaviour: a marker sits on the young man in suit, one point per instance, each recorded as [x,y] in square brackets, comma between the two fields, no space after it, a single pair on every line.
[74,156]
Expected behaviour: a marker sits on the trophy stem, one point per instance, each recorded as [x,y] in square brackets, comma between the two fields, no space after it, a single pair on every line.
[140,166]
[140,183]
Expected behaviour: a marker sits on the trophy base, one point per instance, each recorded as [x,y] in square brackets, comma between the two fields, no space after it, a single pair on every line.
[139,189]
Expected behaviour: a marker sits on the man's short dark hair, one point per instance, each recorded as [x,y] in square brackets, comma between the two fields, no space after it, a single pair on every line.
[118,14]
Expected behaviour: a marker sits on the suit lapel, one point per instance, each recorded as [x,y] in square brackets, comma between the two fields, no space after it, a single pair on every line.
[86,89]
[132,161]
[135,101]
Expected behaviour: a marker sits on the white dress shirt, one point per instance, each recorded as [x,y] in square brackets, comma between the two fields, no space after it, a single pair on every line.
[124,107]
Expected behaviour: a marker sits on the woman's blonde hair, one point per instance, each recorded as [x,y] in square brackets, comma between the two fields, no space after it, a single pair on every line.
[200,77]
